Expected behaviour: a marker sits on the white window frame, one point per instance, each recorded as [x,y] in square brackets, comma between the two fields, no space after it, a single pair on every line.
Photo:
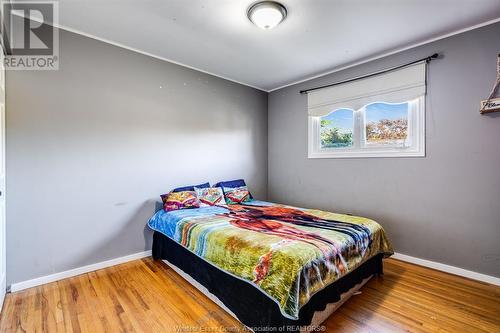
[416,137]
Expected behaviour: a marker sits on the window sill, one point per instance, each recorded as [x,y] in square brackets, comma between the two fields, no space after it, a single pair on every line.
[367,154]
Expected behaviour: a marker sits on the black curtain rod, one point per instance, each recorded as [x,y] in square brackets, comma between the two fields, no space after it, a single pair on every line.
[426,59]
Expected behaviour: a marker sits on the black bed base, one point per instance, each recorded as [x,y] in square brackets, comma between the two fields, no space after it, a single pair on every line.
[253,308]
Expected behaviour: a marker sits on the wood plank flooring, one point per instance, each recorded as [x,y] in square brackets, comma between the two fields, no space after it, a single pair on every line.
[147,296]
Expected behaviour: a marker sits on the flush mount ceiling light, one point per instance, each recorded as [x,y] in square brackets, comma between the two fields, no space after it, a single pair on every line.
[266,14]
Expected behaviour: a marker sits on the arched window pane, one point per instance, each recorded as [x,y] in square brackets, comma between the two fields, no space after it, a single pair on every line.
[336,129]
[386,124]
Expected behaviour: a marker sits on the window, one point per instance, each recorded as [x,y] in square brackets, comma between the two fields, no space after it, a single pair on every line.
[336,129]
[386,125]
[375,117]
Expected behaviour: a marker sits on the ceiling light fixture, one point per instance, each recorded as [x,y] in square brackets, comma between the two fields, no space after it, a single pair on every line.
[266,14]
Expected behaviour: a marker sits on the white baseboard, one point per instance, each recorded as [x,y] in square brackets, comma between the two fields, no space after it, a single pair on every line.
[76,271]
[93,267]
[448,269]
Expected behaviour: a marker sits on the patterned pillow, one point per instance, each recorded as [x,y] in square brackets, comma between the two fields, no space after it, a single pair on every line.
[237,195]
[232,184]
[180,200]
[211,196]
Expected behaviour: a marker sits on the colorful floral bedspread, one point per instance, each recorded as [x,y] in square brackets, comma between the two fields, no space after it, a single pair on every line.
[288,253]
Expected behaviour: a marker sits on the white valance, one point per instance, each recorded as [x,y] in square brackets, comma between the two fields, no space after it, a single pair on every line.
[393,87]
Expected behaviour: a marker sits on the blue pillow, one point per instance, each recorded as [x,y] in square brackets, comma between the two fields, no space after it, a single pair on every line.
[191,187]
[232,184]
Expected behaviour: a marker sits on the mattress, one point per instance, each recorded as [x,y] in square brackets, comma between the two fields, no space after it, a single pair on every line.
[285,255]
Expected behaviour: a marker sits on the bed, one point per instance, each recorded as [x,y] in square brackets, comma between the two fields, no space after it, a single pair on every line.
[273,267]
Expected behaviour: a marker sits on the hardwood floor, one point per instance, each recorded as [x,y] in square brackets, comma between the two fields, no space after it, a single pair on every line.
[147,296]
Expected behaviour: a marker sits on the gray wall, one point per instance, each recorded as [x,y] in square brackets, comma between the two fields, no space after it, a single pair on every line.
[444,207]
[91,146]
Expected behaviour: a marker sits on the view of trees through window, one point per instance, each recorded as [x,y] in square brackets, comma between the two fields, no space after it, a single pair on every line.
[336,129]
[385,124]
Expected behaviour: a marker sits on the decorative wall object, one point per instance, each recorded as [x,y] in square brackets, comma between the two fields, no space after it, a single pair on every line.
[492,104]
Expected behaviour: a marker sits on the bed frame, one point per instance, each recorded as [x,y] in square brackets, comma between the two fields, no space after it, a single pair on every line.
[318,318]
[248,304]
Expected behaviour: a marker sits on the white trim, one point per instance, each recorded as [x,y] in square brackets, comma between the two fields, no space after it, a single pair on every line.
[76,271]
[157,57]
[107,41]
[366,154]
[448,269]
[416,135]
[336,69]
[386,54]
[112,262]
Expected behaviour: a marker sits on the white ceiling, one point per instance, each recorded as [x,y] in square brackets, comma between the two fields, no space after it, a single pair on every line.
[318,35]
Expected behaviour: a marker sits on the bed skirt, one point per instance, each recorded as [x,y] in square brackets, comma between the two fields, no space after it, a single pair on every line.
[248,304]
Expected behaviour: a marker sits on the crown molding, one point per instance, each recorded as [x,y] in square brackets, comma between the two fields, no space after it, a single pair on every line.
[123,46]
[389,53]
[336,69]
